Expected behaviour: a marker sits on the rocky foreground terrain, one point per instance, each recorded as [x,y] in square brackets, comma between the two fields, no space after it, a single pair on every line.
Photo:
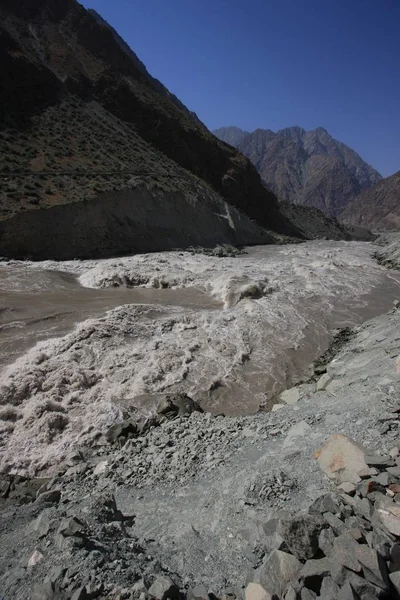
[298,503]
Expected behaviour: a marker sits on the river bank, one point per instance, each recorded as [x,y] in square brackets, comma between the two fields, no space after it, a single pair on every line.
[201,486]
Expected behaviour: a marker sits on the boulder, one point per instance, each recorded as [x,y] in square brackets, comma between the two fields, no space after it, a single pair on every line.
[279,569]
[200,592]
[323,382]
[329,589]
[172,405]
[314,571]
[124,430]
[163,588]
[389,516]
[301,534]
[290,396]
[72,527]
[255,591]
[341,458]
[395,581]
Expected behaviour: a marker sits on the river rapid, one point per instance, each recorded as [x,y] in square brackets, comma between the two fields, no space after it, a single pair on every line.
[83,343]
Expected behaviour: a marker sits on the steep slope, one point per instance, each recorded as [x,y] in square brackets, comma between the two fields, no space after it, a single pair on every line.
[231,135]
[378,207]
[84,121]
[306,167]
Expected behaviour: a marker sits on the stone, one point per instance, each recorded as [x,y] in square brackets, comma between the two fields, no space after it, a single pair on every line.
[273,538]
[301,534]
[35,558]
[298,430]
[395,557]
[395,580]
[277,407]
[384,479]
[313,573]
[323,382]
[45,591]
[363,588]
[200,592]
[373,566]
[50,497]
[374,460]
[364,508]
[80,594]
[368,472]
[254,591]
[125,429]
[348,488]
[395,471]
[290,594]
[344,552]
[329,589]
[163,588]
[326,503]
[357,534]
[279,569]
[71,527]
[333,521]
[325,541]
[100,468]
[341,458]
[290,396]
[389,516]
[367,486]
[307,594]
[347,593]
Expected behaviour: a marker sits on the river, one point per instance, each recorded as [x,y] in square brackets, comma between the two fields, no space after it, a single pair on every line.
[81,341]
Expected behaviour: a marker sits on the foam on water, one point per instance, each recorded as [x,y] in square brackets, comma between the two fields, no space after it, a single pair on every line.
[280,306]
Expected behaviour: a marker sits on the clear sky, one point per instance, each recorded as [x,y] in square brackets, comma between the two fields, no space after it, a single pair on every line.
[276,63]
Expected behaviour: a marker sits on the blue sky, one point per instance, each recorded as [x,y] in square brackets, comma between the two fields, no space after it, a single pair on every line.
[277,63]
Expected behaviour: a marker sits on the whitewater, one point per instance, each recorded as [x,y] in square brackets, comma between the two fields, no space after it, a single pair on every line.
[86,343]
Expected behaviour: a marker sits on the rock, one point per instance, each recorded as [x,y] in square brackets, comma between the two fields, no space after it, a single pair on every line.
[100,467]
[368,472]
[329,589]
[395,581]
[395,471]
[35,558]
[329,502]
[273,538]
[373,566]
[290,594]
[299,430]
[347,593]
[45,591]
[373,460]
[200,592]
[333,521]
[172,405]
[80,594]
[301,534]
[71,527]
[368,486]
[395,557]
[255,591]
[323,382]
[348,488]
[307,594]
[50,497]
[344,552]
[277,407]
[325,541]
[314,572]
[363,588]
[125,429]
[163,588]
[341,458]
[290,396]
[277,571]
[389,516]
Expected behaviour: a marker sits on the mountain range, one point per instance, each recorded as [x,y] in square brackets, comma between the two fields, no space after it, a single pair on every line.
[311,168]
[98,158]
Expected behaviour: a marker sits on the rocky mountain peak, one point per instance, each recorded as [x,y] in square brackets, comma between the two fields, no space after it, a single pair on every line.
[308,167]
